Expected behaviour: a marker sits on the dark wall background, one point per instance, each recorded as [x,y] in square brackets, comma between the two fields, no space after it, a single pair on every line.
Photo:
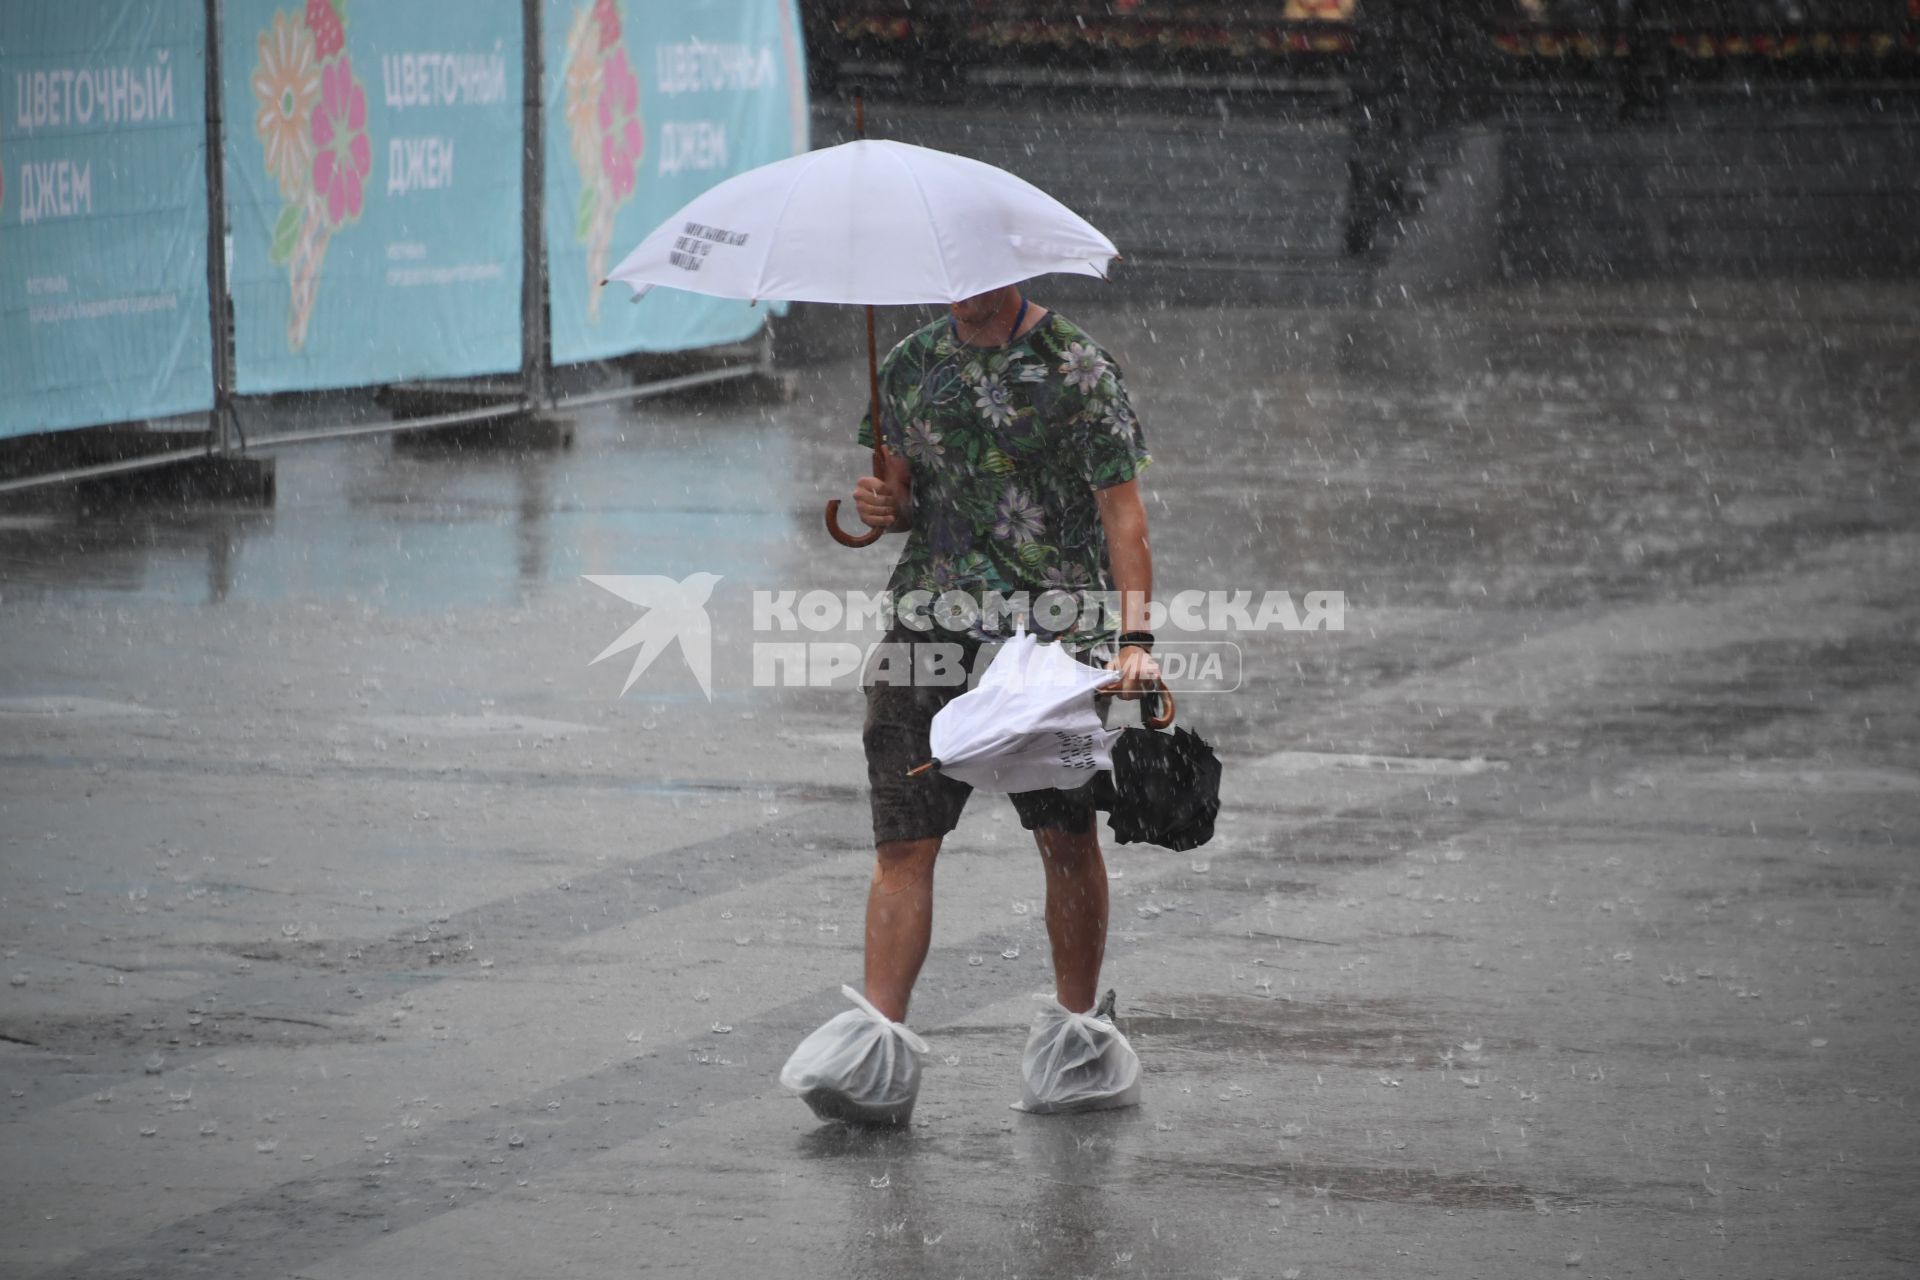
[1235,155]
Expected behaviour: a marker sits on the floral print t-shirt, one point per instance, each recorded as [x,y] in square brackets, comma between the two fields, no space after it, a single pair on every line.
[1007,446]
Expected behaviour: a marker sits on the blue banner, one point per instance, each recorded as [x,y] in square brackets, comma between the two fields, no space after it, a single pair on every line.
[373,189]
[647,106]
[103,213]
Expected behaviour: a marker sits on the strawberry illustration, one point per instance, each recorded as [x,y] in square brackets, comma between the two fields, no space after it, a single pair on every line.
[607,17]
[324,22]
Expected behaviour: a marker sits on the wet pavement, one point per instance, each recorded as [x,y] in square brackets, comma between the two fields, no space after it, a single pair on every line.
[1558,917]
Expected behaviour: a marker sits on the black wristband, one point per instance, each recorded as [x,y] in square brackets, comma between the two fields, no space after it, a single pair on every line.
[1137,640]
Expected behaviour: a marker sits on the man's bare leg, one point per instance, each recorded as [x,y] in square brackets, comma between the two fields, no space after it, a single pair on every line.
[1076,912]
[900,921]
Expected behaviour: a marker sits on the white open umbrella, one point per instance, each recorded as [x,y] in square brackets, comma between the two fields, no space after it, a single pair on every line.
[868,223]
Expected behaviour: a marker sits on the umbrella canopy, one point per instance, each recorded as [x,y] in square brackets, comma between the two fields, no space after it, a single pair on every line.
[1164,789]
[876,222]
[1030,724]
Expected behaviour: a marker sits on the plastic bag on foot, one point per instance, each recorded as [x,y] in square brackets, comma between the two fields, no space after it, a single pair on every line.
[861,1066]
[1076,1062]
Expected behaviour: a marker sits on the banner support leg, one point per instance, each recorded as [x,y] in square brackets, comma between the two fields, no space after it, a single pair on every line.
[221,424]
[535,350]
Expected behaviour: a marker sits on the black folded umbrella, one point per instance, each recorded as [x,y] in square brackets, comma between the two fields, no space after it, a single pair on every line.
[1164,789]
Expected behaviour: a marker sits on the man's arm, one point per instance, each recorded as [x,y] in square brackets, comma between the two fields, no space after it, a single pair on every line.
[1124,517]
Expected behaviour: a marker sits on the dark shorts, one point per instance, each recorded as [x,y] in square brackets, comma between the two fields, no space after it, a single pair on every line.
[899,720]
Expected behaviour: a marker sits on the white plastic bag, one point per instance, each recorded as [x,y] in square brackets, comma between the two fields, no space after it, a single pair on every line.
[861,1067]
[1076,1062]
[1030,724]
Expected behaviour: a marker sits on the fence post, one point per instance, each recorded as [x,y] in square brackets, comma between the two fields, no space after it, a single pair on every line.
[218,308]
[535,357]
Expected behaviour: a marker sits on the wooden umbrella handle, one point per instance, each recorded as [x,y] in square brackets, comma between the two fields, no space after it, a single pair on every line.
[841,536]
[872,535]
[1162,699]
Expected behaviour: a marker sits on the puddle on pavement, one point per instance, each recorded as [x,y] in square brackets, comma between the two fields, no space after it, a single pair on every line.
[1380,1184]
[1794,886]
[215,1029]
[1356,1033]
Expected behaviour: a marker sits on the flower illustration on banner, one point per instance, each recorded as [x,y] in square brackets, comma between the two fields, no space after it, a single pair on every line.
[620,139]
[343,157]
[286,84]
[604,130]
[312,125]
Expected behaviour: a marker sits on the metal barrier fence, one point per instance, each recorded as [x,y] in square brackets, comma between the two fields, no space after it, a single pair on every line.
[203,201]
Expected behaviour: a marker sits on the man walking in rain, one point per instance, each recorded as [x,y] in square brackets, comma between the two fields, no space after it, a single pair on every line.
[1013,470]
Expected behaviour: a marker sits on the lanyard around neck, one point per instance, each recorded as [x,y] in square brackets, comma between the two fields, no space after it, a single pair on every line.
[1019,319]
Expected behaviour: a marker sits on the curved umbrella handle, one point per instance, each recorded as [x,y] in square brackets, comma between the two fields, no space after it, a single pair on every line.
[1159,710]
[1156,710]
[872,535]
[844,538]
